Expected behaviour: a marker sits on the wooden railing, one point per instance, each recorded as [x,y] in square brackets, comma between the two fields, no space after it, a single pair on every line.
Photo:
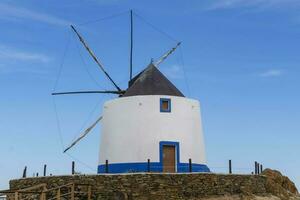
[41,192]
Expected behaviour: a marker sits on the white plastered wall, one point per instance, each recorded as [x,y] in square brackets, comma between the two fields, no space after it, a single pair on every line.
[132,128]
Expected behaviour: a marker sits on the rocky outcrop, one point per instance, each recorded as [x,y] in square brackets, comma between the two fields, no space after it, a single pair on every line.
[279,185]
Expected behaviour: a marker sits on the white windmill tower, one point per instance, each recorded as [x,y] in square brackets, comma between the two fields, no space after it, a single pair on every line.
[151,126]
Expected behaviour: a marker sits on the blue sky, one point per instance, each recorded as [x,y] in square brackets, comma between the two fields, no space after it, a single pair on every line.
[240,58]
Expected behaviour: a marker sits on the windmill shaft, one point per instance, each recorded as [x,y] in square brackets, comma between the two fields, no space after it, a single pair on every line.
[131,42]
[94,57]
[83,134]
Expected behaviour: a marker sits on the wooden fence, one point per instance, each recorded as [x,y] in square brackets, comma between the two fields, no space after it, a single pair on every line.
[68,191]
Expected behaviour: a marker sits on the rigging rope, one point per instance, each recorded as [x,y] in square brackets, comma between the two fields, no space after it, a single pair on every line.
[58,123]
[55,104]
[62,61]
[88,119]
[95,81]
[173,39]
[104,18]
[86,67]
[92,169]
[155,28]
[55,86]
[90,75]
[61,138]
[184,71]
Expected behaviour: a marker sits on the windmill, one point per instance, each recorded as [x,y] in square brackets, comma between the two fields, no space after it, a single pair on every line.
[118,90]
[122,139]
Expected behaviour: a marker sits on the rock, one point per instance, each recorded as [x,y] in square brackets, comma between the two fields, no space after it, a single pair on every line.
[280,185]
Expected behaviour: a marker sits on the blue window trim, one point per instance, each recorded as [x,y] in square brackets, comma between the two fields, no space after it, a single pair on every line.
[154,166]
[169,102]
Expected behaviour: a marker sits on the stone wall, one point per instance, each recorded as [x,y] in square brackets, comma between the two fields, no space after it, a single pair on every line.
[173,186]
[157,186]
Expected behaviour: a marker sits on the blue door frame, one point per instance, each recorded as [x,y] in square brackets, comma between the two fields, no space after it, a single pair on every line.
[161,153]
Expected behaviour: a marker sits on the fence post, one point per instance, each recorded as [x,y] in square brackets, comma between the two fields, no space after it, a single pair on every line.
[255,167]
[72,191]
[43,195]
[106,166]
[58,194]
[230,167]
[73,167]
[261,168]
[37,174]
[45,170]
[148,166]
[190,165]
[25,172]
[89,192]
[258,168]
[16,195]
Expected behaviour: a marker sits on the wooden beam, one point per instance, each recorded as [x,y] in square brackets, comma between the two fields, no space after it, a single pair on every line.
[58,194]
[72,191]
[89,193]
[94,57]
[16,195]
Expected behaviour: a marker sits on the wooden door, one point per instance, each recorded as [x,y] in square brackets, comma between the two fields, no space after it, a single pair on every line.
[169,159]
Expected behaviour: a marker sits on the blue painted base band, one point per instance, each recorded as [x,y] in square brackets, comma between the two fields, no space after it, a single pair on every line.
[154,167]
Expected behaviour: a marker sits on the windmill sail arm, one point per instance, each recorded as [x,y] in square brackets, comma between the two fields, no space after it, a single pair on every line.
[166,55]
[83,134]
[94,57]
[89,92]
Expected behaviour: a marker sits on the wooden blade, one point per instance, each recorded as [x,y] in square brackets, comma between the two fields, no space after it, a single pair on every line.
[94,56]
[83,134]
[89,92]
[166,55]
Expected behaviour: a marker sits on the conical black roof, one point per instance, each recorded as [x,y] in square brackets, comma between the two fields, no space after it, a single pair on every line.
[151,82]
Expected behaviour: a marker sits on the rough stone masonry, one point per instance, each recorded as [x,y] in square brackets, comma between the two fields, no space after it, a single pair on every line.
[173,186]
